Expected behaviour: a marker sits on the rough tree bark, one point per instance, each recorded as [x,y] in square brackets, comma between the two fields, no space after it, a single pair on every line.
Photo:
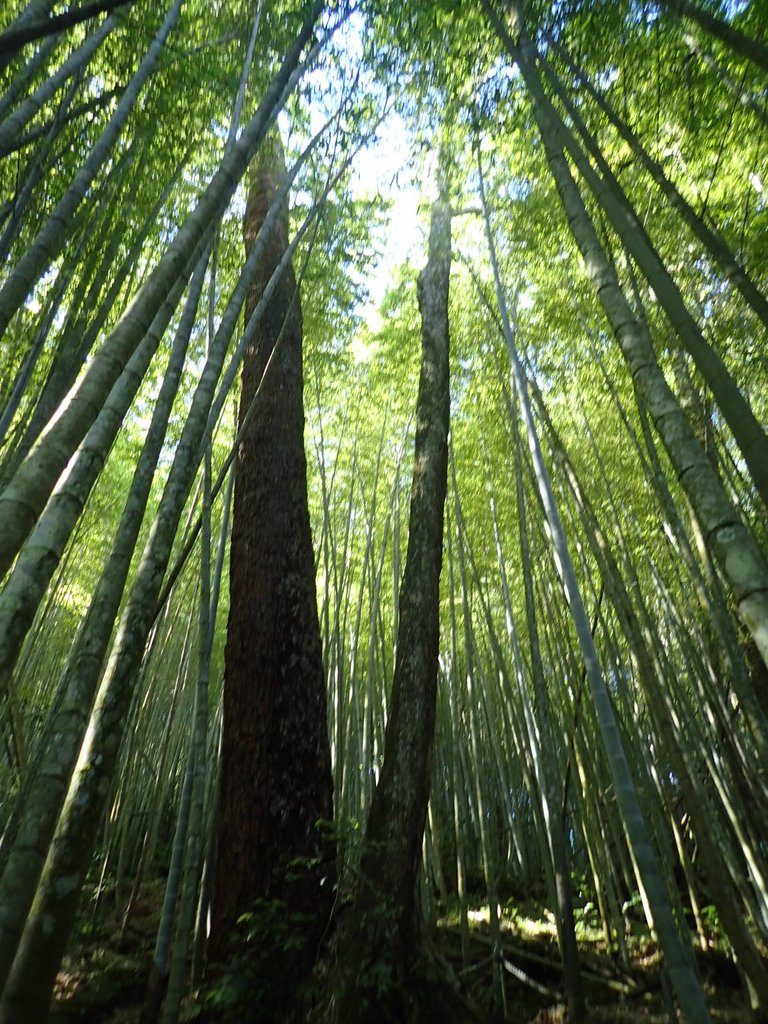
[276,769]
[380,940]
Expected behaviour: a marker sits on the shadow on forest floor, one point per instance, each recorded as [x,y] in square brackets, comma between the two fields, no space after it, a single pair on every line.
[615,992]
[103,978]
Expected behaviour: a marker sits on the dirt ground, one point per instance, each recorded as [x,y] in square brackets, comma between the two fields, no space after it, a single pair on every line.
[103,979]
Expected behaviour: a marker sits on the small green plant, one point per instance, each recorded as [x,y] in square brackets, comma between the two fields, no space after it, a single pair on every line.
[269,969]
[587,922]
[711,919]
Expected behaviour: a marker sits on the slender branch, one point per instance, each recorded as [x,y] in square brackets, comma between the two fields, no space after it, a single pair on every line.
[14,39]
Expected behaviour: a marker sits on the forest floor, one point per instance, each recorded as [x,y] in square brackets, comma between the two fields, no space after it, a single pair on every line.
[104,977]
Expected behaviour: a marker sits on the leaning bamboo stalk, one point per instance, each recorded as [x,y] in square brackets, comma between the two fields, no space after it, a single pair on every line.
[658,683]
[740,95]
[12,126]
[83,327]
[188,841]
[730,34]
[732,545]
[24,497]
[687,986]
[710,239]
[12,433]
[744,425]
[20,82]
[155,808]
[550,796]
[472,677]
[460,809]
[708,594]
[33,172]
[43,804]
[71,847]
[707,680]
[50,129]
[52,237]
[40,555]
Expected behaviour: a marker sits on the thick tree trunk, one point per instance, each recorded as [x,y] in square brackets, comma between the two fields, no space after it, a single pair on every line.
[379,945]
[51,918]
[276,771]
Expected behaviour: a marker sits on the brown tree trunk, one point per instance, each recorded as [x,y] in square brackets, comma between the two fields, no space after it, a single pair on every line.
[380,941]
[276,770]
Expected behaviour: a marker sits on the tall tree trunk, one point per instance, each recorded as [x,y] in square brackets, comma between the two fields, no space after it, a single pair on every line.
[51,918]
[276,767]
[380,944]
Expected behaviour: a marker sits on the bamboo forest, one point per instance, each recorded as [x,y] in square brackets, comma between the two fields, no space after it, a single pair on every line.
[383,491]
